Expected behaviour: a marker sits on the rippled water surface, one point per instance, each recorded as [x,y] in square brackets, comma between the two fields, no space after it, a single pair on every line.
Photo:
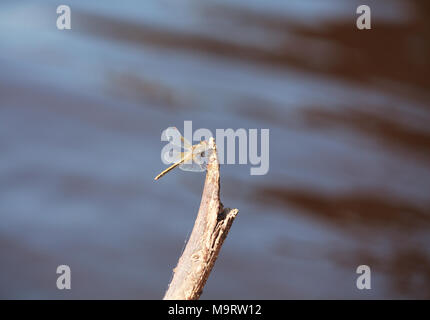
[81,113]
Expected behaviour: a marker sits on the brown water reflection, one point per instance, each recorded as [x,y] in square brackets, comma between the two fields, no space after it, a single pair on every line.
[407,267]
[383,127]
[351,209]
[392,54]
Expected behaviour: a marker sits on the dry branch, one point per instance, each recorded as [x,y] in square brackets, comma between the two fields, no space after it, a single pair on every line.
[210,229]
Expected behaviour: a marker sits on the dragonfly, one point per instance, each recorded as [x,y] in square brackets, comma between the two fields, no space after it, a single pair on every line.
[193,158]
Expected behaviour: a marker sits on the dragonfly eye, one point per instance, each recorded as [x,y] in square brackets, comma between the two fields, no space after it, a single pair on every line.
[202,154]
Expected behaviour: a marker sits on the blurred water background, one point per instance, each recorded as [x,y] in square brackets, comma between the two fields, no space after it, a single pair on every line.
[82,111]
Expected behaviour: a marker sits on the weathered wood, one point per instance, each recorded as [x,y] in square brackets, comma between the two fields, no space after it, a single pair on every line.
[210,230]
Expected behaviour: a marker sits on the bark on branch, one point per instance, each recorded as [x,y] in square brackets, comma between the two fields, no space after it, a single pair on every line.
[210,230]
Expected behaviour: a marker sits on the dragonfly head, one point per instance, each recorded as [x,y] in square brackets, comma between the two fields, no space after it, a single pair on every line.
[202,148]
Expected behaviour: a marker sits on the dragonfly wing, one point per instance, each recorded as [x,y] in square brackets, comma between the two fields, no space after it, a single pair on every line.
[173,135]
[186,143]
[198,162]
[173,155]
[196,167]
